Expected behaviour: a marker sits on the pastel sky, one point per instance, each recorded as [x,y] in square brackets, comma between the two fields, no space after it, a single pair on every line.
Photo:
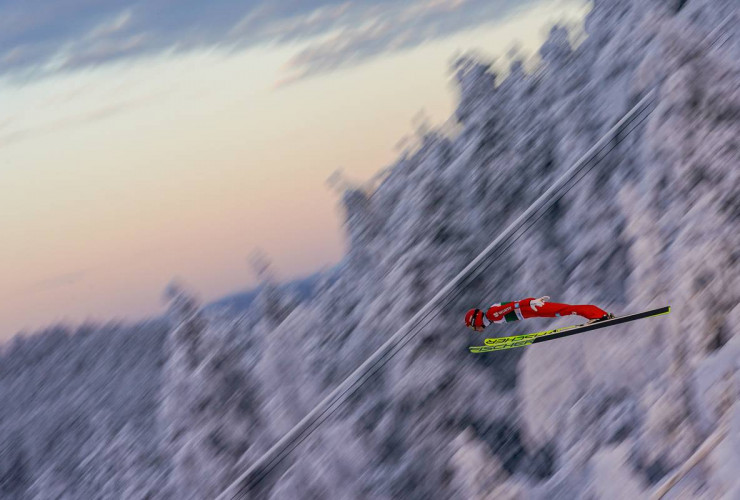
[146,141]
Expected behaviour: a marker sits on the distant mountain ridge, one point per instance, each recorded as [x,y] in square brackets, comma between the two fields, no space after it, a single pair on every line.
[241,301]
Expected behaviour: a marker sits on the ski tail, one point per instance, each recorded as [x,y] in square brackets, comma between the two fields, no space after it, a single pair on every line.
[497,344]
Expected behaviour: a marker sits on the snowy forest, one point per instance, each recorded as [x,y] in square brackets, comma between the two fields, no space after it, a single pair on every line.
[178,407]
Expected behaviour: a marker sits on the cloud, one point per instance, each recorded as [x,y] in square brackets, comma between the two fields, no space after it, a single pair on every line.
[393,30]
[9,135]
[41,38]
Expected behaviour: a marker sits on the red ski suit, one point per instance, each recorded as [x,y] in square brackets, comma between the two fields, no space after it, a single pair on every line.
[515,310]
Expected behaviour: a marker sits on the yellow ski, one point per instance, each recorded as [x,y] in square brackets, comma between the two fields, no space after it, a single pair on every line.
[500,343]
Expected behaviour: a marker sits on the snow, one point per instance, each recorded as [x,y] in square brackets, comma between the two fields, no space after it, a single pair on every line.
[613,479]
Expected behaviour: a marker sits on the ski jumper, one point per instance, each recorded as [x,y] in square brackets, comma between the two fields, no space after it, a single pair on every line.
[507,311]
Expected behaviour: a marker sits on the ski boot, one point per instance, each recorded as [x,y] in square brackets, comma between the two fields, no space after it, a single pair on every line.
[603,318]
